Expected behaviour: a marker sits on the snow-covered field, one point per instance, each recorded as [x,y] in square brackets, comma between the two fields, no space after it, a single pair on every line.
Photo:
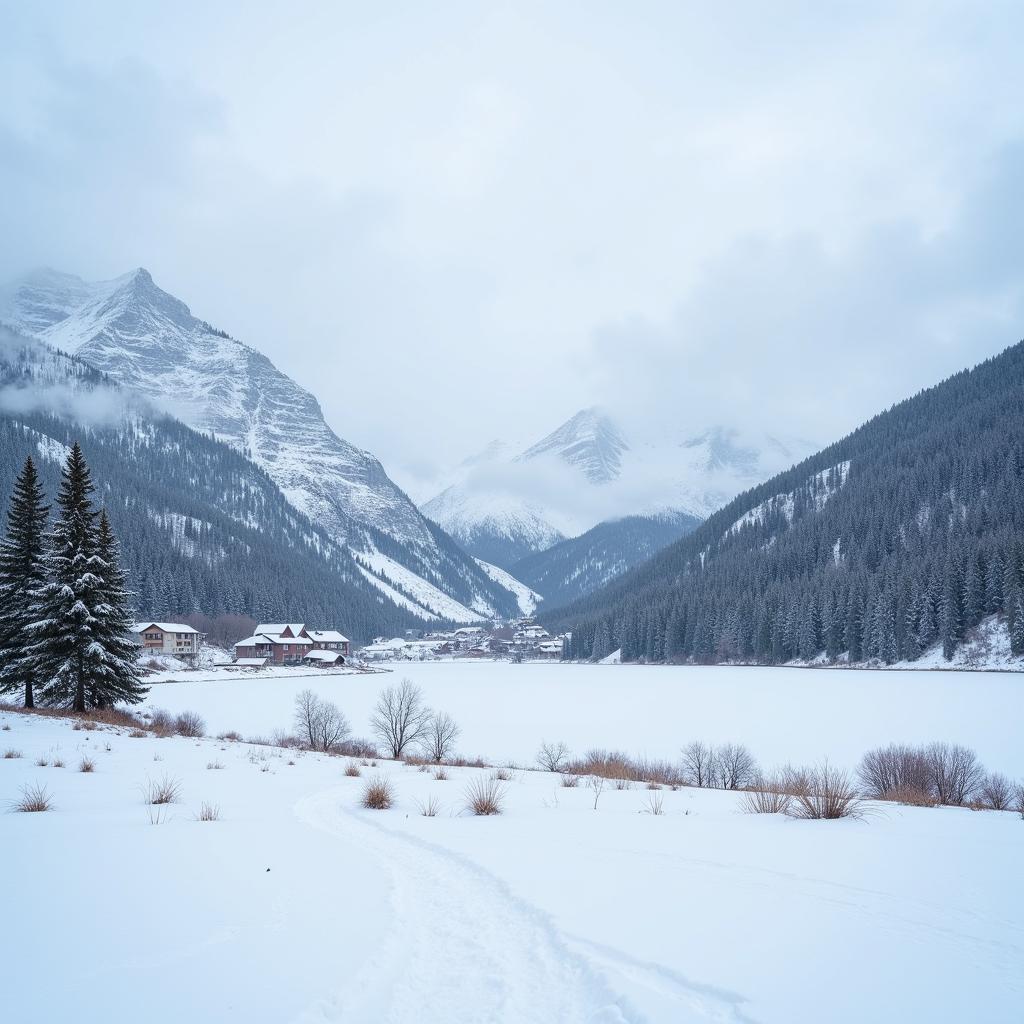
[297,905]
[782,714]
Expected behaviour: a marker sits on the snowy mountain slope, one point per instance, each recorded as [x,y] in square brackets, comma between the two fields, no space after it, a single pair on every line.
[504,507]
[149,341]
[528,599]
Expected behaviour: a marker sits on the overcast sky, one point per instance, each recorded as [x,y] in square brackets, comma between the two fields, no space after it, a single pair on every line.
[458,222]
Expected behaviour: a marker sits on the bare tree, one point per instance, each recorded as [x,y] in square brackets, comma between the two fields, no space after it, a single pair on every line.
[954,772]
[1018,799]
[320,724]
[894,772]
[401,717]
[699,764]
[596,784]
[438,739]
[735,766]
[997,792]
[552,757]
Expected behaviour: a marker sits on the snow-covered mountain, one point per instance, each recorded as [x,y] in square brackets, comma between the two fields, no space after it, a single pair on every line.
[509,502]
[149,341]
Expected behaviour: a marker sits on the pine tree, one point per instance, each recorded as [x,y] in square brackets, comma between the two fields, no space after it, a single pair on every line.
[21,574]
[64,651]
[117,676]
[1017,626]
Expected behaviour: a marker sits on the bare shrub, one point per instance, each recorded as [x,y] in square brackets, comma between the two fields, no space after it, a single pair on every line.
[897,768]
[503,774]
[378,794]
[321,725]
[230,737]
[429,807]
[10,754]
[829,793]
[356,747]
[1018,799]
[954,773]
[699,764]
[769,794]
[87,764]
[653,785]
[656,804]
[608,764]
[596,785]
[161,722]
[996,792]
[621,784]
[440,775]
[33,799]
[137,734]
[214,765]
[190,723]
[208,812]
[400,718]
[485,795]
[735,766]
[352,771]
[569,781]
[552,757]
[439,736]
[165,791]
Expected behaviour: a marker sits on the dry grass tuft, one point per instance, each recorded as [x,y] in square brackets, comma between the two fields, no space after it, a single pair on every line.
[165,791]
[352,771]
[87,764]
[378,794]
[656,804]
[429,807]
[231,737]
[771,794]
[214,766]
[440,775]
[503,775]
[829,793]
[41,762]
[485,796]
[208,812]
[10,754]
[58,762]
[33,799]
[570,781]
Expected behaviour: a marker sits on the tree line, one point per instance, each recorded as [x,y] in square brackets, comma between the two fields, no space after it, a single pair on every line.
[65,610]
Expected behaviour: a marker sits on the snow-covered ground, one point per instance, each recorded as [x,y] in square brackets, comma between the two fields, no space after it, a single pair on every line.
[782,714]
[297,905]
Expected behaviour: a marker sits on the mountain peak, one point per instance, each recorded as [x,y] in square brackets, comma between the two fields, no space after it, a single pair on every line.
[590,441]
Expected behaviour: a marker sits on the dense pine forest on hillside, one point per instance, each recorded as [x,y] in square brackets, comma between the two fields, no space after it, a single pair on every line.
[904,534]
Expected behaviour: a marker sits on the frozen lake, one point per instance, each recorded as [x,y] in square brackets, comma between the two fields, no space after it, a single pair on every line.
[782,714]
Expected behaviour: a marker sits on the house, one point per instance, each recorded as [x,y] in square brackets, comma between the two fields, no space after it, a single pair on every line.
[323,659]
[174,638]
[288,643]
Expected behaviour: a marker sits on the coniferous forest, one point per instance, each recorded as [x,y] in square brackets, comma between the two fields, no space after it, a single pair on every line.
[902,535]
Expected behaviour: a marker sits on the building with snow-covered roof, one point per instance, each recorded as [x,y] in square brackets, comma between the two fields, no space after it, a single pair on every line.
[288,643]
[176,638]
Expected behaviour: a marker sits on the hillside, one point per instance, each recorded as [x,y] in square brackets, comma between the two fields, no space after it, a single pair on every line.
[149,341]
[905,533]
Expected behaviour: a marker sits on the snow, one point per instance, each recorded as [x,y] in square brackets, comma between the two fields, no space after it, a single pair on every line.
[297,905]
[820,491]
[782,714]
[420,596]
[528,599]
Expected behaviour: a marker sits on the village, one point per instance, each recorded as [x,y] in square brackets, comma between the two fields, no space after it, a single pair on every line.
[299,645]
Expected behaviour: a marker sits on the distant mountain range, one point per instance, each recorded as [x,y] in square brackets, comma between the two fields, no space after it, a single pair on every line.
[150,343]
[900,539]
[510,502]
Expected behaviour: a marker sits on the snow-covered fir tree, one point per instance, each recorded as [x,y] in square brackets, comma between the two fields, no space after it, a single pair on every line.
[21,574]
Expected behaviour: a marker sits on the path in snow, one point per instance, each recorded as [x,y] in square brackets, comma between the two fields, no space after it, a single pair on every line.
[463,947]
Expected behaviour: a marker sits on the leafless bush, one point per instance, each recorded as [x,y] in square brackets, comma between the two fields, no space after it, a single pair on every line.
[230,737]
[596,784]
[735,766]
[829,793]
[621,784]
[138,734]
[190,724]
[570,781]
[214,765]
[1018,798]
[552,757]
[897,768]
[440,775]
[356,747]
[165,791]
[400,718]
[485,795]
[320,724]
[954,772]
[439,736]
[378,794]
[608,764]
[653,785]
[699,764]
[10,754]
[352,771]
[503,774]
[429,807]
[161,722]
[208,812]
[769,794]
[997,792]
[34,798]
[87,764]
[656,804]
